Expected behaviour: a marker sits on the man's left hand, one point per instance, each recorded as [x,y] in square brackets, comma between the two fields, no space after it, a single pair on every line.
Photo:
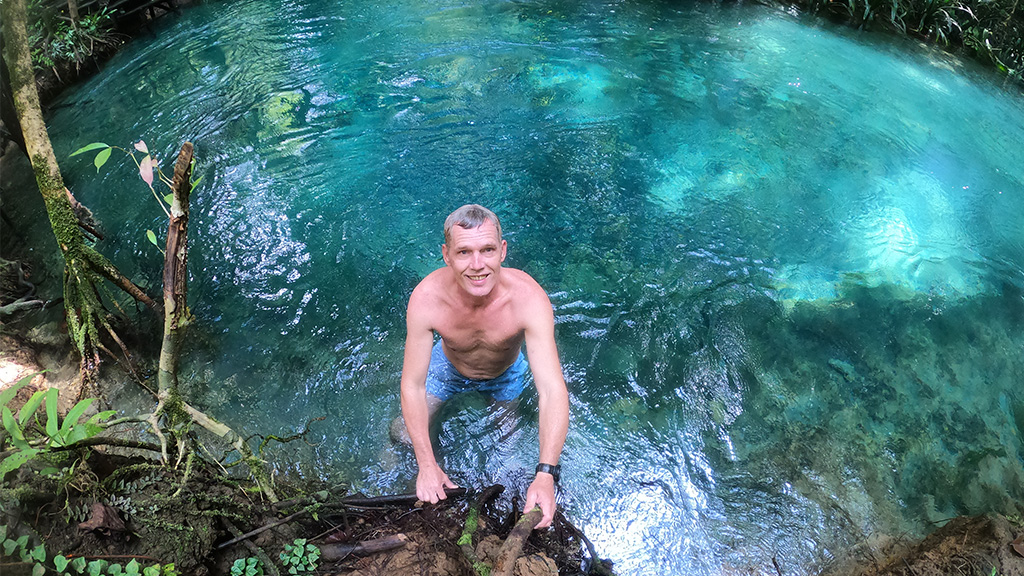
[542,493]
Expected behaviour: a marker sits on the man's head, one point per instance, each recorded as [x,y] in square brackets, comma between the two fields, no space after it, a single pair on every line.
[469,216]
[474,249]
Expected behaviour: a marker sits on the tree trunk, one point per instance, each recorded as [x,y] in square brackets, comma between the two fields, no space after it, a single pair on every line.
[73,12]
[82,264]
[177,412]
[176,314]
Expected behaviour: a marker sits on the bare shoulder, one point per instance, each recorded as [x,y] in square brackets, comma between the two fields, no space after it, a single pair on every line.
[430,293]
[527,292]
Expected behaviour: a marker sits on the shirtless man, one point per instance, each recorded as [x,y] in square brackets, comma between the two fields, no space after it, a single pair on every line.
[483,314]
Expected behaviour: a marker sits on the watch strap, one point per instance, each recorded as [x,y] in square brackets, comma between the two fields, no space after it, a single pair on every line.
[555,471]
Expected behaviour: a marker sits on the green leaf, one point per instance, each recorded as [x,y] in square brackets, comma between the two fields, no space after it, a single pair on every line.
[151,571]
[101,158]
[11,425]
[152,237]
[95,568]
[30,407]
[79,564]
[3,532]
[115,570]
[81,432]
[169,199]
[51,413]
[194,184]
[39,553]
[100,416]
[60,562]
[74,415]
[89,148]
[8,394]
[132,568]
[9,546]
[38,570]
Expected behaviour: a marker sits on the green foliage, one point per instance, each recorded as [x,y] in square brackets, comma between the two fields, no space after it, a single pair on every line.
[990,30]
[250,566]
[57,41]
[18,548]
[100,567]
[300,557]
[29,436]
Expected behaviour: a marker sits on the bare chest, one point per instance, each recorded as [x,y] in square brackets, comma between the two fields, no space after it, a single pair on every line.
[498,331]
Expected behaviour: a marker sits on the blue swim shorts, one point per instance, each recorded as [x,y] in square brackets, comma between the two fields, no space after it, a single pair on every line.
[444,381]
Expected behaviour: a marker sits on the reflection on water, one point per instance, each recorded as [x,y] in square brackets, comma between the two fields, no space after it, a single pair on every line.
[786,260]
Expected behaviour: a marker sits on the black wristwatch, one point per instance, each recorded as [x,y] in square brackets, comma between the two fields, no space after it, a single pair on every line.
[555,471]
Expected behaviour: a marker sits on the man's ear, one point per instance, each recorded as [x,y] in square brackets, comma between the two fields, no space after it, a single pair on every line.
[444,253]
[504,249]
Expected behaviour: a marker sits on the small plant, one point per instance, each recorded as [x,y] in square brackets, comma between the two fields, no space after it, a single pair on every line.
[29,436]
[55,39]
[99,567]
[147,166]
[18,548]
[250,566]
[300,557]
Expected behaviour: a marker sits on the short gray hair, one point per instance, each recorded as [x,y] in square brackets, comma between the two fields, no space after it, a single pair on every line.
[469,216]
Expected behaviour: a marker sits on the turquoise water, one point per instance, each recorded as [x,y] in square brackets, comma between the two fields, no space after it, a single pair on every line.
[786,258]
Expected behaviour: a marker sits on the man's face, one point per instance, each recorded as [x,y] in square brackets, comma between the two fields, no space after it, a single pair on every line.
[475,256]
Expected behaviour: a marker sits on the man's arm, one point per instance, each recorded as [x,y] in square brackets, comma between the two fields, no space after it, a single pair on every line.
[431,480]
[553,397]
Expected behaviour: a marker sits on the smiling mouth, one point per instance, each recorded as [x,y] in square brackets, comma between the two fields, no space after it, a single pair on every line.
[477,278]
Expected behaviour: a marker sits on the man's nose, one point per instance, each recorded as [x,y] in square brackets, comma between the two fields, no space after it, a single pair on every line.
[476,260]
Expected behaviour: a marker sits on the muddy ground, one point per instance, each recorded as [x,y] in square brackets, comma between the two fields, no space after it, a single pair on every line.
[116,508]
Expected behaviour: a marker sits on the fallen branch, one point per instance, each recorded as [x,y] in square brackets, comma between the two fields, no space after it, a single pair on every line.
[263,529]
[394,499]
[268,564]
[336,552]
[513,546]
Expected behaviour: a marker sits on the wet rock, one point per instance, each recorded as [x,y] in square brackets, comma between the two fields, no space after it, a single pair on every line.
[971,546]
[845,369]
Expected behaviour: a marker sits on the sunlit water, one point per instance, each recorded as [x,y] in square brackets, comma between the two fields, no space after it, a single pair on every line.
[786,259]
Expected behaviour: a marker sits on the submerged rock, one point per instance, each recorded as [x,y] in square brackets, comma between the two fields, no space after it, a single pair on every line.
[968,546]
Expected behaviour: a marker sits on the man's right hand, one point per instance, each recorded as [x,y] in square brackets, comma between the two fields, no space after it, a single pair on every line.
[431,482]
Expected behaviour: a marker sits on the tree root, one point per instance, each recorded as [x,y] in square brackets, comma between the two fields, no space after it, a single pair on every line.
[513,546]
[472,523]
[19,305]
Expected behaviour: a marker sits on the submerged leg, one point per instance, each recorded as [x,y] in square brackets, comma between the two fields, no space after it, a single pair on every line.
[506,417]
[400,433]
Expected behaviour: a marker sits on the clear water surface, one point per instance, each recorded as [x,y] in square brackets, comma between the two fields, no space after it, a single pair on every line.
[787,259]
